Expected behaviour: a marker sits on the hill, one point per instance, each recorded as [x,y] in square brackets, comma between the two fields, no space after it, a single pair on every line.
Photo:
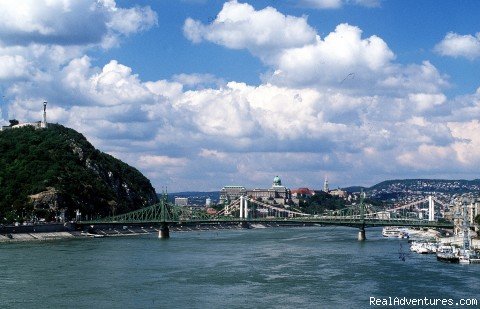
[45,171]
[397,189]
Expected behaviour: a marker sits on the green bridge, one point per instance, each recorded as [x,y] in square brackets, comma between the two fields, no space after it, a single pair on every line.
[246,211]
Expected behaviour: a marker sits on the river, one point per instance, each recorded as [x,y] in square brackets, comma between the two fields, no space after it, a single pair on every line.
[311,267]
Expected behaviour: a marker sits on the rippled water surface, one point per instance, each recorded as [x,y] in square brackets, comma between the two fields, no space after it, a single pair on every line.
[312,267]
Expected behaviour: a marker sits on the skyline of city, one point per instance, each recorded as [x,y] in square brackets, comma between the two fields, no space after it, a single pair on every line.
[202,94]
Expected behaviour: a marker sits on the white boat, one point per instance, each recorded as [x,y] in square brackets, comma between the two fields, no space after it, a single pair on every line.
[468,257]
[395,232]
[447,254]
[423,247]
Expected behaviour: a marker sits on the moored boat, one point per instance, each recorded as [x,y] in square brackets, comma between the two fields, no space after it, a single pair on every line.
[395,232]
[448,254]
[423,247]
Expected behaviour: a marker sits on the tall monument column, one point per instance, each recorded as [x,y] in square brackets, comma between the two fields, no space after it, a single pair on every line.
[44,119]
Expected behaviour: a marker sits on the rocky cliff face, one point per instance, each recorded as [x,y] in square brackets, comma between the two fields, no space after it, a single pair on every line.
[45,171]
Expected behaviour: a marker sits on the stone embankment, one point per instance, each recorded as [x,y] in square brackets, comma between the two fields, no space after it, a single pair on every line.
[18,237]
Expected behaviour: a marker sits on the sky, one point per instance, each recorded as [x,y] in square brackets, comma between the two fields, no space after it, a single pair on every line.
[200,94]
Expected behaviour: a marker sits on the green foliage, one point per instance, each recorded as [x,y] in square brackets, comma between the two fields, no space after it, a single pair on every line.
[32,161]
[321,202]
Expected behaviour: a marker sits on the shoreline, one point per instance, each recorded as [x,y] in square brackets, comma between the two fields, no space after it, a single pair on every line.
[125,231]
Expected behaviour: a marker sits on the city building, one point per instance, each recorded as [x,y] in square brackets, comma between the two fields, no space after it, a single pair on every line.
[181,201]
[276,194]
[339,193]
[302,193]
[232,193]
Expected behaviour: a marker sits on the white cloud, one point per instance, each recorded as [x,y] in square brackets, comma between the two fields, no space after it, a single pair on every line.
[342,54]
[128,21]
[457,45]
[198,81]
[262,32]
[14,67]
[212,153]
[149,161]
[467,145]
[69,22]
[427,158]
[427,101]
[343,59]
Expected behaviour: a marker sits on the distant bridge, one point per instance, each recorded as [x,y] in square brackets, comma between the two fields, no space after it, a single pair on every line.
[246,210]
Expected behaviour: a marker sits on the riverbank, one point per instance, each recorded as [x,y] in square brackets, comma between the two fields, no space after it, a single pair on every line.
[21,237]
[31,233]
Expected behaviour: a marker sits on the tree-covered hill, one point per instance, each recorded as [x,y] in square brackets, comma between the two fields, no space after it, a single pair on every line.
[44,171]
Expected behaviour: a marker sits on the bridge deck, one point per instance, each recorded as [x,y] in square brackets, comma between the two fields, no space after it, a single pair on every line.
[353,222]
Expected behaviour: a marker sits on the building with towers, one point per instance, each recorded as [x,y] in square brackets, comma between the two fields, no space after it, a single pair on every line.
[325,185]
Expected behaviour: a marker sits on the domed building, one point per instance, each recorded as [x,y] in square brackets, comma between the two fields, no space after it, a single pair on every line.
[277,194]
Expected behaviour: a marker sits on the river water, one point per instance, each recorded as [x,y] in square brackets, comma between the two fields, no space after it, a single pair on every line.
[311,267]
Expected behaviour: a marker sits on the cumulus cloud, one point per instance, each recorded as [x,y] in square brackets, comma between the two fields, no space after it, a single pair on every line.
[457,45]
[51,22]
[14,67]
[199,81]
[343,54]
[344,59]
[262,32]
[38,37]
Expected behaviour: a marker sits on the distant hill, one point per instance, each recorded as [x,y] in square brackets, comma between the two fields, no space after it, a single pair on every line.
[354,189]
[438,185]
[43,171]
[402,187]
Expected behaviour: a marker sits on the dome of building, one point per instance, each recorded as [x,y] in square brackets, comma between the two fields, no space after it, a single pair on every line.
[277,181]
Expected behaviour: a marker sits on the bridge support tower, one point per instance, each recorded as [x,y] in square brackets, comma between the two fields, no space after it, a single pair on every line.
[431,209]
[361,234]
[164,232]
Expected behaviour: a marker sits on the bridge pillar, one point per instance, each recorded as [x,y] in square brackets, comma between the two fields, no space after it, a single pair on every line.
[431,209]
[241,206]
[244,225]
[245,208]
[361,234]
[164,232]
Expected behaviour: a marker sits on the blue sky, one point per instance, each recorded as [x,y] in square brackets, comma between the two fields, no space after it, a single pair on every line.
[200,94]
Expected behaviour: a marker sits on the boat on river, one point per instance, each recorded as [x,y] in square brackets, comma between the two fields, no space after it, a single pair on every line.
[448,254]
[468,257]
[423,247]
[394,232]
